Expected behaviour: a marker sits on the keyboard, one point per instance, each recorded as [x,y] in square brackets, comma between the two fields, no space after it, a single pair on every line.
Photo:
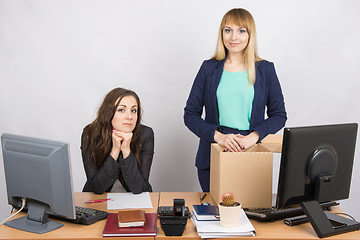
[88,216]
[272,214]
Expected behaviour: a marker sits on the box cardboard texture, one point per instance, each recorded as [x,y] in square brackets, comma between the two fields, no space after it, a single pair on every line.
[248,175]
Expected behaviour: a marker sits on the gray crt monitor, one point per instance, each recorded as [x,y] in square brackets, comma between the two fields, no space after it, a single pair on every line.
[38,170]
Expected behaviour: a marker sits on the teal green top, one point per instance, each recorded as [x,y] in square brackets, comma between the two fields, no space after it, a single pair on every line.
[235,97]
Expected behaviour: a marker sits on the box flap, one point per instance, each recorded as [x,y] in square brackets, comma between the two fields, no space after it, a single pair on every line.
[258,148]
[273,142]
[273,138]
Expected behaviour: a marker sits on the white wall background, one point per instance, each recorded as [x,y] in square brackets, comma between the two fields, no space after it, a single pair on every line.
[58,59]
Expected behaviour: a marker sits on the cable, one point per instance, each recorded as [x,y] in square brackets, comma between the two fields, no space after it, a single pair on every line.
[11,216]
[346,215]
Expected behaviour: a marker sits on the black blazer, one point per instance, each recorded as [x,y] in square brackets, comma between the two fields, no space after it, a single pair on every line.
[133,178]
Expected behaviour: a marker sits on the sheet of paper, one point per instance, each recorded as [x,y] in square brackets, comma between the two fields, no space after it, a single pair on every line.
[214,227]
[129,200]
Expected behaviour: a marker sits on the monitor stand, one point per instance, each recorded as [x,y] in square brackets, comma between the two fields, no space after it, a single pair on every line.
[36,221]
[325,223]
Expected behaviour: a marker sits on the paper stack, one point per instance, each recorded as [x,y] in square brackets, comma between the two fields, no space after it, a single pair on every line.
[213,229]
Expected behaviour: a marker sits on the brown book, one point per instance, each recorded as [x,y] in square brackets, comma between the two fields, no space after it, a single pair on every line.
[131,218]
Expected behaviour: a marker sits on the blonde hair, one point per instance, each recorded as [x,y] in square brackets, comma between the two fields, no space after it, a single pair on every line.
[242,18]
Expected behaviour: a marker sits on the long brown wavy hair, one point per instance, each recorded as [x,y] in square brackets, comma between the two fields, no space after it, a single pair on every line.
[98,133]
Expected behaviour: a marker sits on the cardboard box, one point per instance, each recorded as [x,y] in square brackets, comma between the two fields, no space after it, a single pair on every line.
[248,175]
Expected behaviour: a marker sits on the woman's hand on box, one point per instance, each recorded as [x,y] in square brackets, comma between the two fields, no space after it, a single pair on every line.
[231,142]
[249,140]
[236,142]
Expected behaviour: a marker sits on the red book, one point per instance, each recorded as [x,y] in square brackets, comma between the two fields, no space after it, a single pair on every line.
[112,228]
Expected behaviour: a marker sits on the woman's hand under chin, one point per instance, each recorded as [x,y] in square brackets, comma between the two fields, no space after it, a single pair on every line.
[122,140]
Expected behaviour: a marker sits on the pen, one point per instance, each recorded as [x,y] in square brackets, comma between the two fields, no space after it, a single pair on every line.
[202,198]
[98,200]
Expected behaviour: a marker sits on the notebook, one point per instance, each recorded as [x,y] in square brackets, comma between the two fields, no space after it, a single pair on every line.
[111,228]
[206,213]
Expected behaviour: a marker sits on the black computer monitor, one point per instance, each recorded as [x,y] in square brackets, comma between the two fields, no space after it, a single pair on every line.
[316,167]
[38,170]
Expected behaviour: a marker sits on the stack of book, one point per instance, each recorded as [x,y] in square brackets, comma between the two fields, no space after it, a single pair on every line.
[207,222]
[130,223]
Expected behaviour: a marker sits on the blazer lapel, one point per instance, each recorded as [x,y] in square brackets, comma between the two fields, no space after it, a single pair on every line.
[217,76]
[256,95]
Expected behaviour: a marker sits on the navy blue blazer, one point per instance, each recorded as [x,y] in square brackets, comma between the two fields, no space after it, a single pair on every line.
[268,95]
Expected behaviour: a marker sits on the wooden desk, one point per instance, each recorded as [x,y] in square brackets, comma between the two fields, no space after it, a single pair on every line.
[269,231]
[278,230]
[191,198]
[76,231]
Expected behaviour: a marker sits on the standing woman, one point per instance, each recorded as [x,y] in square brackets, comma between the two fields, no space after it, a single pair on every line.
[235,87]
[117,150]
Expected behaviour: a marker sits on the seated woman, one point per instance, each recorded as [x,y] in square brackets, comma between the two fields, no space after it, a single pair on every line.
[117,150]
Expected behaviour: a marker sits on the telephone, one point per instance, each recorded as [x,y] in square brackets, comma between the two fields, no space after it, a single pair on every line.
[173,219]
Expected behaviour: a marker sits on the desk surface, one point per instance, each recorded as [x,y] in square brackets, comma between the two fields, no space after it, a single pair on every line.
[270,231]
[75,231]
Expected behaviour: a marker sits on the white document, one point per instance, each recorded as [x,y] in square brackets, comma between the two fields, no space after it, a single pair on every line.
[205,235]
[211,229]
[129,200]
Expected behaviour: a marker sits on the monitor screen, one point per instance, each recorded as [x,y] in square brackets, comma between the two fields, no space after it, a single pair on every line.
[316,163]
[316,167]
[38,170]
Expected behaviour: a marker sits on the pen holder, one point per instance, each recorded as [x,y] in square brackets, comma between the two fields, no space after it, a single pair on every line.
[173,225]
